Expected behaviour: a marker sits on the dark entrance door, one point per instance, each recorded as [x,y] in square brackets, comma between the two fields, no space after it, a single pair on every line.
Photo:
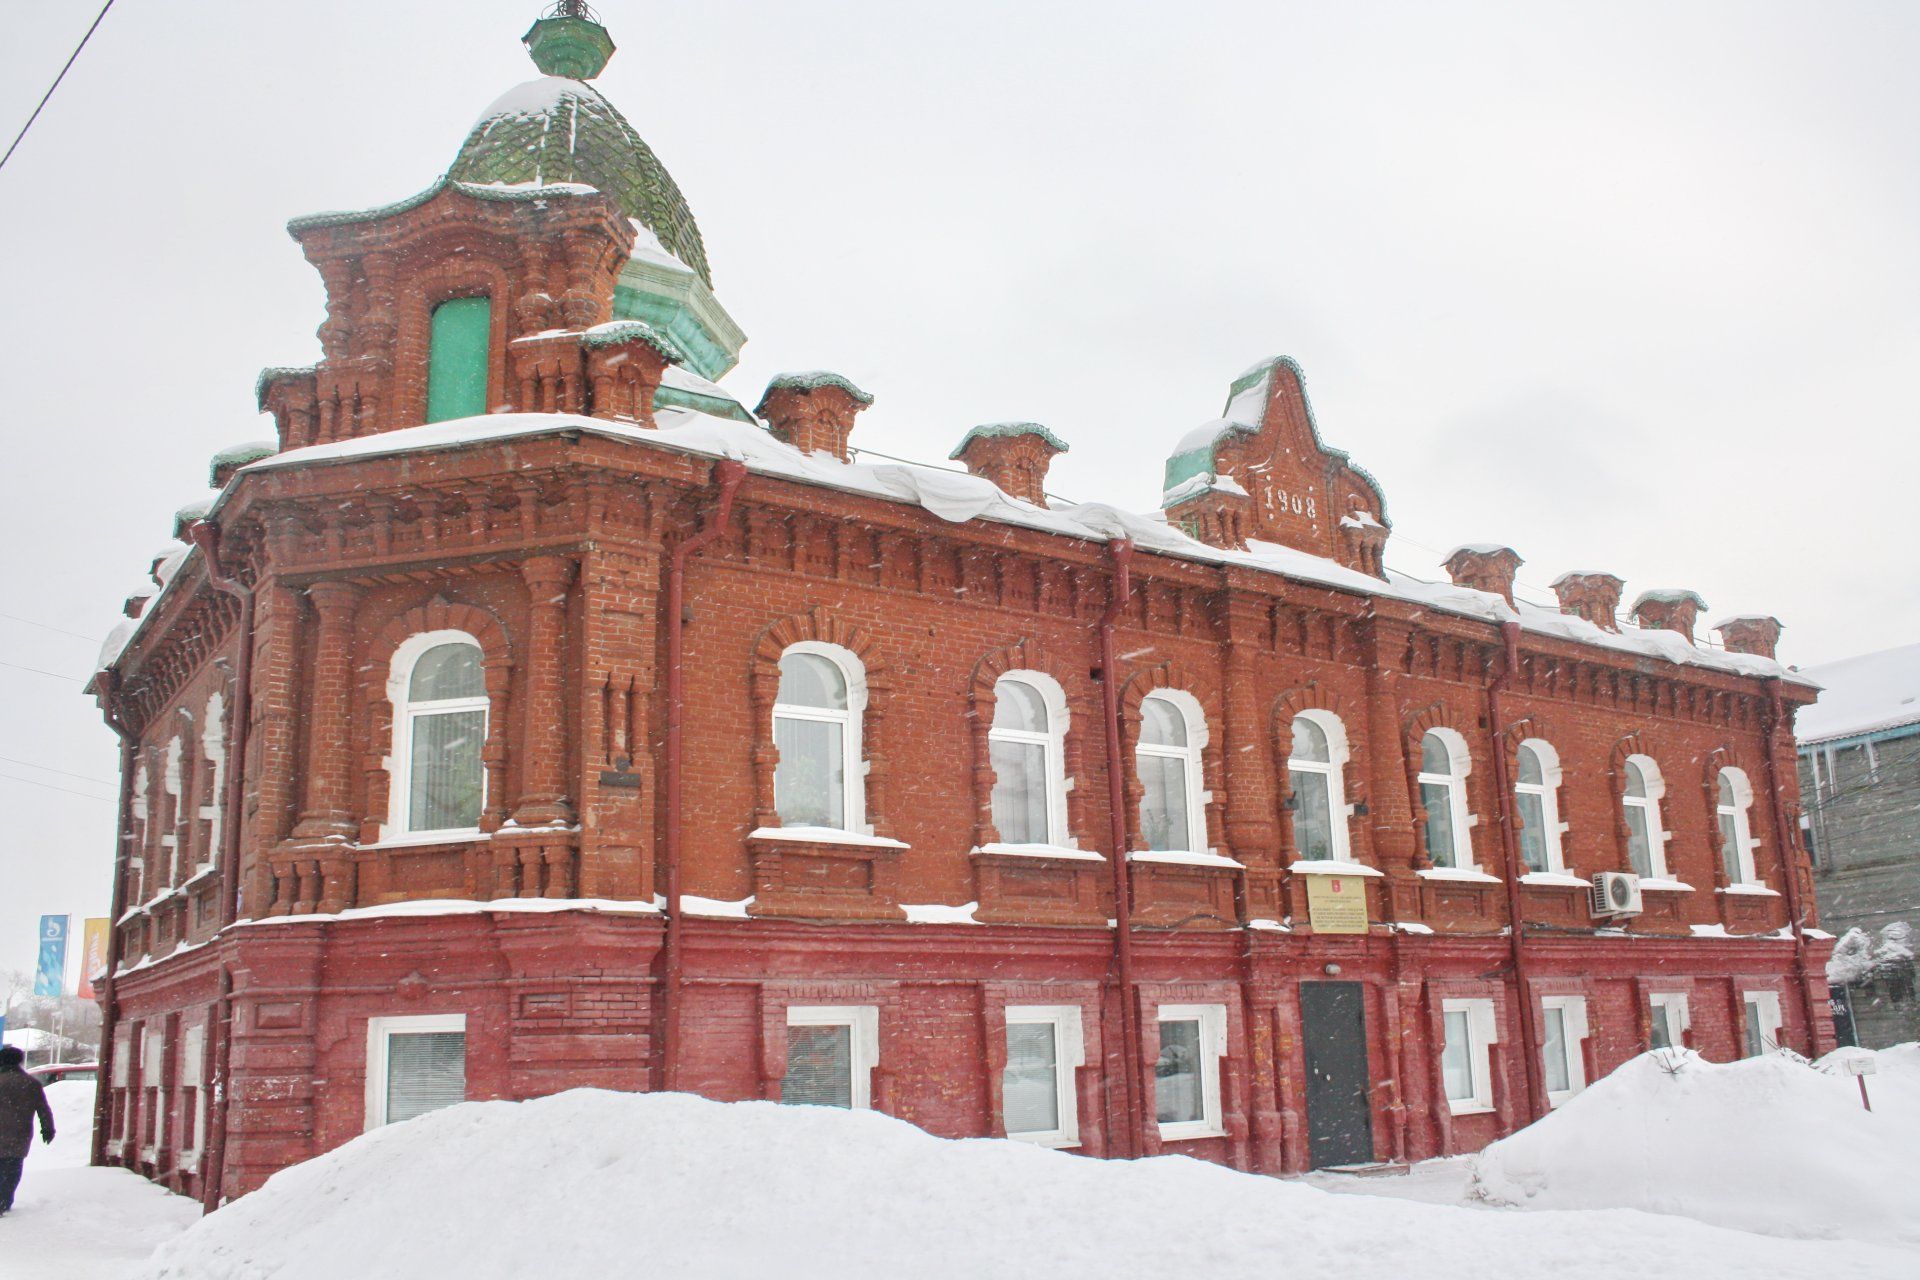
[1339,1117]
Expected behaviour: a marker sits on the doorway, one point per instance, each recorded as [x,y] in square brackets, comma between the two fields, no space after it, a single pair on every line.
[1333,1019]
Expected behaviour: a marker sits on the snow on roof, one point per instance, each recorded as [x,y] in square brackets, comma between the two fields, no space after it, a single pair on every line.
[1194,486]
[959,498]
[1866,694]
[812,380]
[1479,549]
[615,332]
[1571,574]
[999,430]
[647,248]
[537,97]
[239,455]
[1669,595]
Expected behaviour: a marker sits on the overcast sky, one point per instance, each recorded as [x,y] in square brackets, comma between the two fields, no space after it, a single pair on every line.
[1628,286]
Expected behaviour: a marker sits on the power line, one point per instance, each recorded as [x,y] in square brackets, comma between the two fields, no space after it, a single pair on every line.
[56,83]
[84,795]
[48,626]
[57,675]
[84,777]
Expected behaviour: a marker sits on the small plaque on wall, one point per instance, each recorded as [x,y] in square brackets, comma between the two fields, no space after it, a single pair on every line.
[1337,904]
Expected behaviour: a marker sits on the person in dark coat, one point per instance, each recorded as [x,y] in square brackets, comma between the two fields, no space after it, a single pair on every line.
[21,1099]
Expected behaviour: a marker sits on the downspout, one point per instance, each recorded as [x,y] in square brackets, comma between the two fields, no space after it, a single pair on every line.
[206,535]
[109,994]
[1789,870]
[727,473]
[1510,842]
[1120,555]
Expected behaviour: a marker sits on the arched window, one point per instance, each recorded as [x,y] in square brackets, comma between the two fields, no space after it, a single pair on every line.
[1315,776]
[1444,765]
[816,729]
[439,693]
[457,358]
[1172,813]
[1640,798]
[1733,803]
[1025,747]
[1536,795]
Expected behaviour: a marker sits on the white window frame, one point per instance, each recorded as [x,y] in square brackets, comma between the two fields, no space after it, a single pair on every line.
[1649,805]
[1763,1006]
[1669,1008]
[1573,1028]
[153,1082]
[1460,761]
[1053,744]
[1190,711]
[1213,1047]
[1548,792]
[1482,1030]
[863,1022]
[1741,811]
[191,1080]
[853,769]
[1069,1055]
[399,761]
[1334,769]
[380,1031]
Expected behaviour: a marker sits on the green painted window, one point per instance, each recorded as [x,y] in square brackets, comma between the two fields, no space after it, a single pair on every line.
[457,359]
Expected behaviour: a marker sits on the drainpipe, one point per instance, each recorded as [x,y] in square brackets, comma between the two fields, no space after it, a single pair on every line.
[727,473]
[109,993]
[1516,866]
[1133,1088]
[1783,835]
[206,535]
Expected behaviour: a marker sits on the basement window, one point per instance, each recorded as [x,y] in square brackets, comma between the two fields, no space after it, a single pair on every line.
[415,1064]
[831,1053]
[1038,1100]
[1186,1077]
[1466,1055]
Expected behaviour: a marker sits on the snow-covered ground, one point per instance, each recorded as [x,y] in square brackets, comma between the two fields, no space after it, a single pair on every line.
[588,1182]
[596,1183]
[73,1222]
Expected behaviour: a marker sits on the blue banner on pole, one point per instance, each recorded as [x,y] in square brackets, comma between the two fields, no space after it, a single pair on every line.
[50,979]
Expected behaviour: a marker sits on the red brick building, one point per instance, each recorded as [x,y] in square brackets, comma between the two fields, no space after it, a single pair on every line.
[530,714]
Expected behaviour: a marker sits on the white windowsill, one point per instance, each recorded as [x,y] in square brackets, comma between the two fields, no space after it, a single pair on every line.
[1039,851]
[1182,858]
[1751,890]
[415,838]
[1562,879]
[1329,867]
[1465,875]
[1661,884]
[1190,1131]
[1469,1108]
[825,835]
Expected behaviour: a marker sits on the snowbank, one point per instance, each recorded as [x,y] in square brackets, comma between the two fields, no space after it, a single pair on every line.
[591,1183]
[1768,1144]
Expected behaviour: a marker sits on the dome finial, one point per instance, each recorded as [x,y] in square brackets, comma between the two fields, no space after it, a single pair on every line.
[569,41]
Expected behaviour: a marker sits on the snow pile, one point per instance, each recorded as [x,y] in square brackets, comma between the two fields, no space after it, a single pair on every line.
[1768,1144]
[591,1183]
[1857,958]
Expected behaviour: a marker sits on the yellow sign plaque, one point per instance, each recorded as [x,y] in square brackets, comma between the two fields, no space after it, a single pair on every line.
[1337,904]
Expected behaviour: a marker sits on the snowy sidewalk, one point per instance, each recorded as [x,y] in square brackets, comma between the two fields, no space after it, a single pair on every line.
[73,1222]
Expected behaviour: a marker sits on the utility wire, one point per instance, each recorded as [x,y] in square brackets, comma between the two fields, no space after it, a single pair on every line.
[48,626]
[57,675]
[84,795]
[56,83]
[84,777]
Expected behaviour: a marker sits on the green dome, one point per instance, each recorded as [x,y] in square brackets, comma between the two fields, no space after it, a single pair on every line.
[556,129]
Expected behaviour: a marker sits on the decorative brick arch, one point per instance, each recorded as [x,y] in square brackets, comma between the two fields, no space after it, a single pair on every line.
[1025,655]
[1313,696]
[1413,730]
[1170,675]
[496,660]
[1635,744]
[821,626]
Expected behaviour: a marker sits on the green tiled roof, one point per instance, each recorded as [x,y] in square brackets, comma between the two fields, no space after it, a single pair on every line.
[812,380]
[990,430]
[557,130]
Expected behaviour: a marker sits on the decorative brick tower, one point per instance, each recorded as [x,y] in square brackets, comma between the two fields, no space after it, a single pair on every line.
[1484,566]
[1014,455]
[813,411]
